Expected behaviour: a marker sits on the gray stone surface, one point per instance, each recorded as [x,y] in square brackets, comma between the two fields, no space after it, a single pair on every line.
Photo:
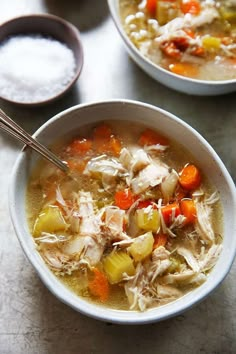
[32,320]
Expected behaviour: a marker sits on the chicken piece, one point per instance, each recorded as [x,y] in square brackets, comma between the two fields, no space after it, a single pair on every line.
[103,165]
[198,279]
[206,16]
[182,278]
[189,258]
[204,224]
[167,291]
[125,158]
[157,268]
[89,224]
[53,256]
[134,289]
[208,260]
[140,160]
[160,253]
[150,176]
[160,262]
[114,219]
[84,247]
[107,169]
[169,185]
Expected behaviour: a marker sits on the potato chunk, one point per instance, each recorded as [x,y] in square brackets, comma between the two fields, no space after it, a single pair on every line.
[148,219]
[211,43]
[116,264]
[49,220]
[142,247]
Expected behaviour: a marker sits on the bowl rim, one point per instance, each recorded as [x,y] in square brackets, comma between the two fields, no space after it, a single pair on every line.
[117,21]
[98,312]
[79,64]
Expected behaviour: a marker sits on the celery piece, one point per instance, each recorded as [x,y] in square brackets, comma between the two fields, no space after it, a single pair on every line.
[142,247]
[116,264]
[49,220]
[148,219]
[211,43]
[174,266]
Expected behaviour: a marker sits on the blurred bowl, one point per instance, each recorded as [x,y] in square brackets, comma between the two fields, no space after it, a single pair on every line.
[167,78]
[47,26]
[66,124]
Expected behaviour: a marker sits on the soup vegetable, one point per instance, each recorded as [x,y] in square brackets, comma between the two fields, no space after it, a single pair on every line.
[135,224]
[193,38]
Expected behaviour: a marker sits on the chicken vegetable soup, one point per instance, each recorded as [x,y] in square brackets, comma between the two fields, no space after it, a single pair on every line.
[193,38]
[134,225]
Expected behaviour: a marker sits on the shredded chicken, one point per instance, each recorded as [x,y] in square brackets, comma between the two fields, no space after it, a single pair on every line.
[150,176]
[167,291]
[140,160]
[107,168]
[113,225]
[209,259]
[204,222]
[89,224]
[85,247]
[184,277]
[54,257]
[189,258]
[125,158]
[207,16]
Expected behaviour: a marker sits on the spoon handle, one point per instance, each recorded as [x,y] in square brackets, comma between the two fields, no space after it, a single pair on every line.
[12,128]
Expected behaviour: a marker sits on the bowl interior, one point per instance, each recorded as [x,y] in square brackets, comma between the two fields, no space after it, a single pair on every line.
[69,121]
[47,26]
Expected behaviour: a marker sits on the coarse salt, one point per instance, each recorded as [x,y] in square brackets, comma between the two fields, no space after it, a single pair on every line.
[34,68]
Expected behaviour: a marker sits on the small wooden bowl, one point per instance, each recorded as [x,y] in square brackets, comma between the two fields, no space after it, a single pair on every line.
[46,26]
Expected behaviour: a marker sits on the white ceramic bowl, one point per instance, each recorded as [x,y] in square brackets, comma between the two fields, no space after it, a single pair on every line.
[176,82]
[70,121]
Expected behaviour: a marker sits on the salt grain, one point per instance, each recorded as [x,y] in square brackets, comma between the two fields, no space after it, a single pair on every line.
[34,68]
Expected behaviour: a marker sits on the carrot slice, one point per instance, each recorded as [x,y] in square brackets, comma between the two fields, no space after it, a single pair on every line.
[170,49]
[124,199]
[160,240]
[189,32]
[151,6]
[185,69]
[190,177]
[188,209]
[181,43]
[192,7]
[169,212]
[79,146]
[99,286]
[149,137]
[199,51]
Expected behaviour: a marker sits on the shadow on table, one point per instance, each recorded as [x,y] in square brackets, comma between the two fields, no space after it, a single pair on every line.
[84,14]
[203,329]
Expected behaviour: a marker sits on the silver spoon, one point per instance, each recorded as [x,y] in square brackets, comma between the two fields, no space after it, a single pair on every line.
[11,127]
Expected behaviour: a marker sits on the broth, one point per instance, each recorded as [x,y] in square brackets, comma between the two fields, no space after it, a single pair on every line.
[135,225]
